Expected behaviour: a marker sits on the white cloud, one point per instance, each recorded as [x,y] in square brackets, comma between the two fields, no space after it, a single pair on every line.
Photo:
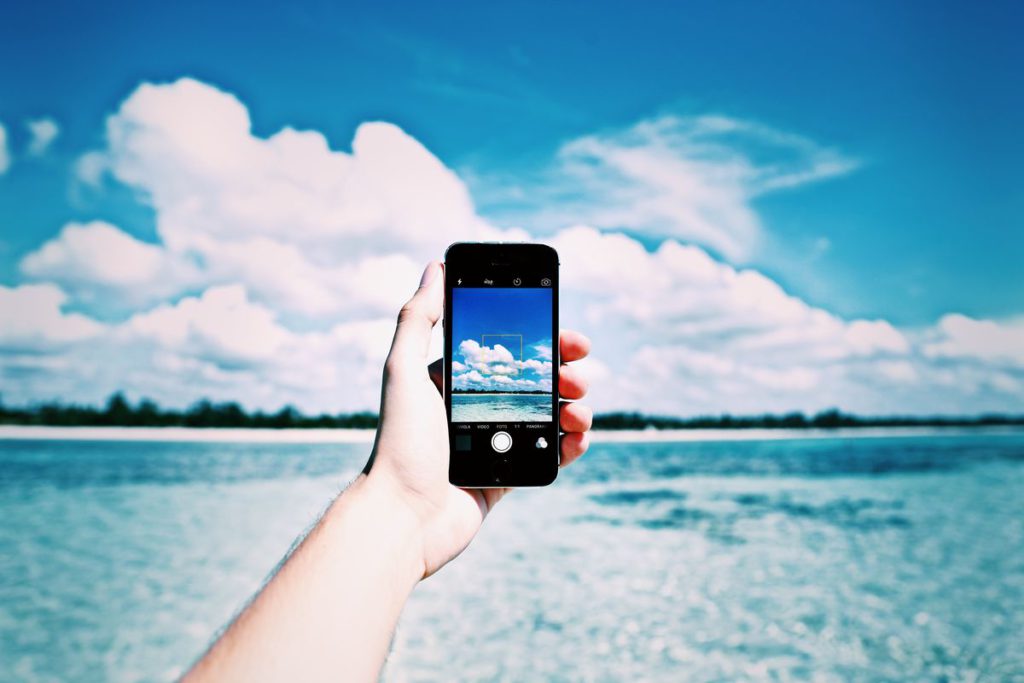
[34,320]
[490,367]
[898,371]
[688,334]
[959,336]
[481,357]
[867,337]
[541,367]
[5,153]
[306,228]
[690,296]
[283,275]
[280,262]
[96,251]
[223,326]
[481,382]
[692,178]
[222,323]
[219,344]
[42,133]
[90,167]
[97,260]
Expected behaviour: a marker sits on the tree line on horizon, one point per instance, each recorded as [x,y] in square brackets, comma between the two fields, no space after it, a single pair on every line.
[119,412]
[498,391]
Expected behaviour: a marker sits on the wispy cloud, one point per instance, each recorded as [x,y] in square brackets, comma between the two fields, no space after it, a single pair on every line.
[442,70]
[42,133]
[688,177]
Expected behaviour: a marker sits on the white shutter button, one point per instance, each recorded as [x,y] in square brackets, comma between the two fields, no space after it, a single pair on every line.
[501,442]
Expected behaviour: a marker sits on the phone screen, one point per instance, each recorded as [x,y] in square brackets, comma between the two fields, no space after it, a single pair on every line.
[501,369]
[501,364]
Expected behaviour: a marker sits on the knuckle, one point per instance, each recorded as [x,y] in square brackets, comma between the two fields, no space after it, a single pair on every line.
[407,313]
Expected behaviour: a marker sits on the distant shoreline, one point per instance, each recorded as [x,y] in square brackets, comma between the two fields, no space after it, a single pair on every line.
[119,413]
[235,435]
[500,393]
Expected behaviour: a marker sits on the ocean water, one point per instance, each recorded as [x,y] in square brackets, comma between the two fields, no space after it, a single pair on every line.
[869,559]
[501,407]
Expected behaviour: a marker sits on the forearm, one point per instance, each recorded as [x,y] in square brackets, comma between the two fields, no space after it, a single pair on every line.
[330,611]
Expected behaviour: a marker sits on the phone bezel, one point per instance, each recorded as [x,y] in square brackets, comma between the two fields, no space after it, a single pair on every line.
[482,467]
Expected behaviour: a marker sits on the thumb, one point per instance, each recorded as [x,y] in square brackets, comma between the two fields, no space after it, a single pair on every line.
[418,317]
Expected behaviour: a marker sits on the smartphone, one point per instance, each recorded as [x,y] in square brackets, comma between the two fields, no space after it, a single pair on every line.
[501,364]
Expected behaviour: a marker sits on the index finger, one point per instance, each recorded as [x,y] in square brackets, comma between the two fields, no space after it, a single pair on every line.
[572,345]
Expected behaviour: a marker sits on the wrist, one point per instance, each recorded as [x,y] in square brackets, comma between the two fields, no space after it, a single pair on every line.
[378,507]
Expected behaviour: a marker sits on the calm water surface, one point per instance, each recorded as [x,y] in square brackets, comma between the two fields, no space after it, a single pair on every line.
[833,560]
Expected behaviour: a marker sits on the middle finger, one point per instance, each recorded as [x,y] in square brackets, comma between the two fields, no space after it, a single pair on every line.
[571,382]
[575,417]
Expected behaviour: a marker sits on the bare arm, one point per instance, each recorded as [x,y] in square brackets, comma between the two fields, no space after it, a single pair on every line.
[330,611]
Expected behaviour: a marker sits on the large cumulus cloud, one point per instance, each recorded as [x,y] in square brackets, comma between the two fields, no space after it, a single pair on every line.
[279,262]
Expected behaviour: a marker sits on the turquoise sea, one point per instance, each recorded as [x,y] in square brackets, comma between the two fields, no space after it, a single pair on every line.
[501,407]
[862,559]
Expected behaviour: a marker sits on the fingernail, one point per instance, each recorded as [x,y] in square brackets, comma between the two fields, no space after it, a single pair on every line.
[429,274]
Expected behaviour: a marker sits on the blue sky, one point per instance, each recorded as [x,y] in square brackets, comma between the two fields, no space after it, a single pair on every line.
[847,171]
[517,320]
[921,94]
[526,312]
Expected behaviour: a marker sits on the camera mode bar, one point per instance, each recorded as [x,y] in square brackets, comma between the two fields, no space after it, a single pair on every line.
[502,281]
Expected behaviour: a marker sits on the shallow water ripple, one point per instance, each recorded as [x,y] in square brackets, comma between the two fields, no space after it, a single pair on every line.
[851,560]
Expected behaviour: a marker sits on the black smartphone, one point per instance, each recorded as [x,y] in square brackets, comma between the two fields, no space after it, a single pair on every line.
[501,364]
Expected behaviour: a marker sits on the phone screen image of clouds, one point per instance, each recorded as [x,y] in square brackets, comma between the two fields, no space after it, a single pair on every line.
[501,365]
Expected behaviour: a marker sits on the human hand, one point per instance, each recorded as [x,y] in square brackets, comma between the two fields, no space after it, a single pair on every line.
[410,454]
[330,610]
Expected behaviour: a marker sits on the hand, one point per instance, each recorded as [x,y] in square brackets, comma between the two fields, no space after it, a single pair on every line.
[410,454]
[329,611]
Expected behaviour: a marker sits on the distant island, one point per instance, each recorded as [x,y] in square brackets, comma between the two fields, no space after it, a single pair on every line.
[119,412]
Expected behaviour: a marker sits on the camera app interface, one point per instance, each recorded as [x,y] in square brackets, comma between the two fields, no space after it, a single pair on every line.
[501,354]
